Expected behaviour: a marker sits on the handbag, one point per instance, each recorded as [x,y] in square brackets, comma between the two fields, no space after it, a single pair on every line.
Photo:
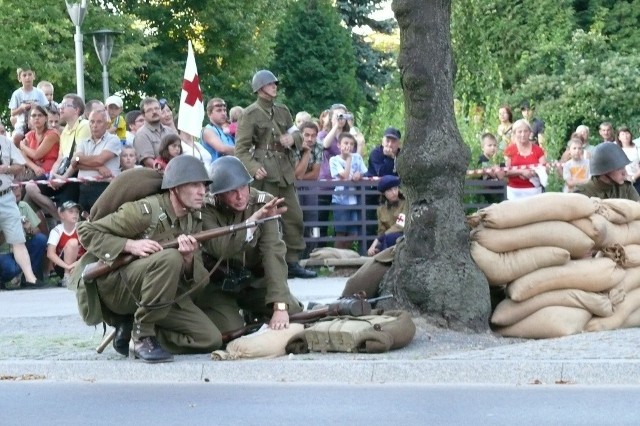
[66,161]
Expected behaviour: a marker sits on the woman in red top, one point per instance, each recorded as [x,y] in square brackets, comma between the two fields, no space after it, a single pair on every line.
[522,182]
[40,146]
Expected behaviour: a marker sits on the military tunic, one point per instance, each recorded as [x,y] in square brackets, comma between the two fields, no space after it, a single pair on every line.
[263,254]
[596,188]
[258,145]
[388,216]
[153,280]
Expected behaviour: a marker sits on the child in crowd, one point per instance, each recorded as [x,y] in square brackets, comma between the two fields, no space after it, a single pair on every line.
[489,160]
[47,89]
[63,247]
[391,214]
[127,158]
[576,170]
[53,119]
[346,166]
[170,147]
[118,123]
[21,101]
[235,114]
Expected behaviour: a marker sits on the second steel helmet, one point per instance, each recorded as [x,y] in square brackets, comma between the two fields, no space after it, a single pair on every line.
[607,157]
[228,173]
[261,79]
[184,169]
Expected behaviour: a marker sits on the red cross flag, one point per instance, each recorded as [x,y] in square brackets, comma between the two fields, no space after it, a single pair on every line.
[191,113]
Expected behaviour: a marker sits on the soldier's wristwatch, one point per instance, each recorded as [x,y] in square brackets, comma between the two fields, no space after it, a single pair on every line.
[280,307]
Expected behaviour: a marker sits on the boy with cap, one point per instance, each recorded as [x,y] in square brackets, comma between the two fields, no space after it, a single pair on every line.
[63,246]
[391,214]
[118,123]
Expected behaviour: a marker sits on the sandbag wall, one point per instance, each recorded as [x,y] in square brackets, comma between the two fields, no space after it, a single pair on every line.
[570,263]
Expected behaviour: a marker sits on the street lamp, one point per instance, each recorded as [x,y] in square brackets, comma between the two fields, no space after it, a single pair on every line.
[77,12]
[103,42]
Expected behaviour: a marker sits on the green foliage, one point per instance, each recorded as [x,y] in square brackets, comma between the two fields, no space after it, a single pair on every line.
[314,58]
[374,65]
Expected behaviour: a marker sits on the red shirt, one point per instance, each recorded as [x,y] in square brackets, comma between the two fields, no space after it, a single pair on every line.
[511,151]
[46,162]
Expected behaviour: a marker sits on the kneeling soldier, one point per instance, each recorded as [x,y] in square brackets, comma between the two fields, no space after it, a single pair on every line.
[149,288]
[254,259]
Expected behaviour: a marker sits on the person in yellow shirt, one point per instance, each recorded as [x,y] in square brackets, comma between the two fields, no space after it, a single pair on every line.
[118,123]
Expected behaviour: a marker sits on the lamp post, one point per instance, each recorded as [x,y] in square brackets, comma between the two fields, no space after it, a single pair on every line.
[77,12]
[103,42]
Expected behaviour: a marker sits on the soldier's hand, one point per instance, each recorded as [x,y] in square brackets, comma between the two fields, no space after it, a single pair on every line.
[187,244]
[270,208]
[261,174]
[279,320]
[142,248]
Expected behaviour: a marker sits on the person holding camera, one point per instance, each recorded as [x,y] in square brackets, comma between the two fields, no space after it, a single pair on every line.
[266,140]
[253,260]
[75,131]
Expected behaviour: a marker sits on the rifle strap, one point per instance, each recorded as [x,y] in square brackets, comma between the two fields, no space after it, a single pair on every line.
[163,305]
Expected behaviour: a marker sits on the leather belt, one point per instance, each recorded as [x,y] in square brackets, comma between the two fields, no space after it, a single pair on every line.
[276,147]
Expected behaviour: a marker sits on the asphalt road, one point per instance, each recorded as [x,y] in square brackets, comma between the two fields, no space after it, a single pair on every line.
[64,403]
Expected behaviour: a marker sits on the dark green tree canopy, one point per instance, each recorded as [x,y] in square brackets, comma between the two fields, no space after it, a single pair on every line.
[314,58]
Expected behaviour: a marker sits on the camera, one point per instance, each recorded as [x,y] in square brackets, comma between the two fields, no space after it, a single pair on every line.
[345,117]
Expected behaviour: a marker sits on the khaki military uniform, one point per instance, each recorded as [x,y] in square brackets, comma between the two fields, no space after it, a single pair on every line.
[369,276]
[388,216]
[148,286]
[258,145]
[596,188]
[263,254]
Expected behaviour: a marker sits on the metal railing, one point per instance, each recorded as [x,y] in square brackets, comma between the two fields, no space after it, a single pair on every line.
[315,200]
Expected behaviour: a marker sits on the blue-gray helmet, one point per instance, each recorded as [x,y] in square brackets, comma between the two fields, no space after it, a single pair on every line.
[228,173]
[184,169]
[607,157]
[261,79]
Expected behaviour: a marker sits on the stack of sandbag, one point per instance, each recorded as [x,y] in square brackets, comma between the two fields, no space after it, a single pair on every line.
[534,248]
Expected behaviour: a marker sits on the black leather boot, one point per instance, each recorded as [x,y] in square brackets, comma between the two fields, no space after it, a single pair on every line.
[297,271]
[122,337]
[149,350]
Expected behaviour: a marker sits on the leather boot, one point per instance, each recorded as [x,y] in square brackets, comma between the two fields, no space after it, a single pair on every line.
[149,350]
[122,337]
[297,271]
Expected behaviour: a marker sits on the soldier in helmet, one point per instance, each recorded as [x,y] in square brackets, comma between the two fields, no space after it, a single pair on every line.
[265,143]
[255,278]
[144,295]
[608,174]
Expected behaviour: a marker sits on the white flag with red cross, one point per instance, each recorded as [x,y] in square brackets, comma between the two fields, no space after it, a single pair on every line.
[191,113]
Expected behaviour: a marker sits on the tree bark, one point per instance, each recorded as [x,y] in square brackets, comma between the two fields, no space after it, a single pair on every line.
[433,271]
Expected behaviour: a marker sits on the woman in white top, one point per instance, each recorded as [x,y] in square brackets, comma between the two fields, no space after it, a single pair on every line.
[195,149]
[625,140]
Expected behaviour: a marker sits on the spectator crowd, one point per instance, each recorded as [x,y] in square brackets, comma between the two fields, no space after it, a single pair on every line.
[59,157]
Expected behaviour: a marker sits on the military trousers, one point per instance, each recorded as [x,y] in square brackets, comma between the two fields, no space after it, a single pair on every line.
[369,276]
[223,308]
[293,224]
[154,280]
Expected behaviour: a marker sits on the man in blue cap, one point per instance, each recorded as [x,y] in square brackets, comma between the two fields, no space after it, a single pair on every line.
[382,160]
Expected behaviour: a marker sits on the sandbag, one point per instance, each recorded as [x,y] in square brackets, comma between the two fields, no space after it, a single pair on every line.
[586,274]
[630,304]
[502,268]
[370,333]
[631,280]
[633,320]
[509,312]
[627,256]
[553,234]
[619,211]
[538,208]
[130,185]
[333,253]
[550,321]
[264,343]
[605,233]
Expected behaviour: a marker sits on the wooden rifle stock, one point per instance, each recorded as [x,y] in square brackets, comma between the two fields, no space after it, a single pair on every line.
[99,268]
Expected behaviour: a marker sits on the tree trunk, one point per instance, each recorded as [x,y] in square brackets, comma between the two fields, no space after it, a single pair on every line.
[433,270]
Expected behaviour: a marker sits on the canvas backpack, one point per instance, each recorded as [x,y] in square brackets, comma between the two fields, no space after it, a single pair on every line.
[369,333]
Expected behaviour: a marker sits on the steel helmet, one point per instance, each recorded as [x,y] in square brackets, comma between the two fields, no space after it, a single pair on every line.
[607,157]
[228,173]
[261,79]
[184,169]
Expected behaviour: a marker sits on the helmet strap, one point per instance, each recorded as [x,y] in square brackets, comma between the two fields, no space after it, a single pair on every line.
[178,200]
